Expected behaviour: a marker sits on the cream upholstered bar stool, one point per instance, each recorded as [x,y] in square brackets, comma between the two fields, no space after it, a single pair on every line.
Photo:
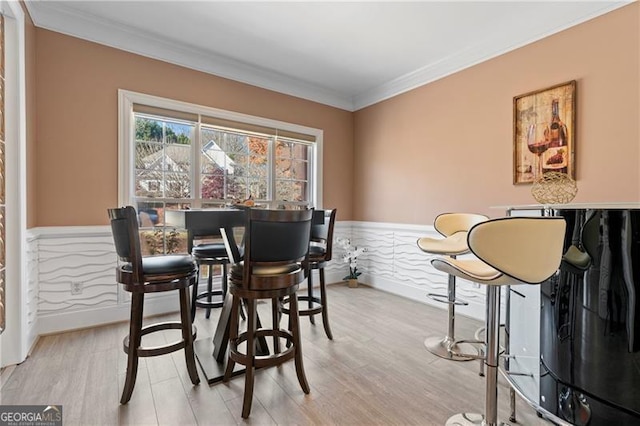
[510,251]
[453,227]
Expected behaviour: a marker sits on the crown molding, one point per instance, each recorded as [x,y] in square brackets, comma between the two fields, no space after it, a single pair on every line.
[60,19]
[53,16]
[472,55]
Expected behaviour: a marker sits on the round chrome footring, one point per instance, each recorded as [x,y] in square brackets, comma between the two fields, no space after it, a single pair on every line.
[469,419]
[465,419]
[445,348]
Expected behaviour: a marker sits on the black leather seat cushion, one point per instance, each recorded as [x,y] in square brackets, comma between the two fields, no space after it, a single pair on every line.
[167,264]
[212,250]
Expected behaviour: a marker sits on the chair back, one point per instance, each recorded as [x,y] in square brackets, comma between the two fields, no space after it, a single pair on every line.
[448,224]
[277,236]
[125,231]
[205,229]
[322,234]
[525,248]
[276,249]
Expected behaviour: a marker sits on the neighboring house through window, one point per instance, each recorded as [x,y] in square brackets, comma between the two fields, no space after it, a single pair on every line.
[179,155]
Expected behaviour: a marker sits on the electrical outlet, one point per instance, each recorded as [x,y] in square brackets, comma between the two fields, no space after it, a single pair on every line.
[76,287]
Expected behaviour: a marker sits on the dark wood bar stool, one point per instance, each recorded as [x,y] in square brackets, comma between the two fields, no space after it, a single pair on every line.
[209,253]
[320,252]
[140,275]
[275,262]
[510,251]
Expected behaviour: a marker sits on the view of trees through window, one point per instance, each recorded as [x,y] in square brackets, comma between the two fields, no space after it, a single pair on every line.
[181,164]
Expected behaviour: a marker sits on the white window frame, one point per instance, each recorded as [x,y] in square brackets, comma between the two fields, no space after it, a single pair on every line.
[18,337]
[126,141]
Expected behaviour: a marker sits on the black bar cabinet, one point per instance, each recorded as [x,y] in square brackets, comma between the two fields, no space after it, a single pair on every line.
[584,368]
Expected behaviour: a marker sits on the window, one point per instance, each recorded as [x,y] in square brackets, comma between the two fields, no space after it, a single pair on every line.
[178,155]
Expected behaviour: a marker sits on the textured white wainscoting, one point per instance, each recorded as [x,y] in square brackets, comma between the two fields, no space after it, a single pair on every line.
[394,263]
[62,256]
[32,288]
[57,257]
[336,269]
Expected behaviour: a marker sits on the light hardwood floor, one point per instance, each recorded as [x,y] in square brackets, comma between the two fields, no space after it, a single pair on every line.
[375,371]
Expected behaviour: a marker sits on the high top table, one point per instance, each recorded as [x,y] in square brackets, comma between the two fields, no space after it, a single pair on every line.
[211,353]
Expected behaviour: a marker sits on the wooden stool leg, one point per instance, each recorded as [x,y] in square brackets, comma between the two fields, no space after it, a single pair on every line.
[250,367]
[275,318]
[233,335]
[224,279]
[325,314]
[295,330]
[310,294]
[135,336]
[289,323]
[194,295]
[241,307]
[209,290]
[187,336]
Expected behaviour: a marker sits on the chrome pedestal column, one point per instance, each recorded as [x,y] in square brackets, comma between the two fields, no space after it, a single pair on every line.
[492,353]
[447,347]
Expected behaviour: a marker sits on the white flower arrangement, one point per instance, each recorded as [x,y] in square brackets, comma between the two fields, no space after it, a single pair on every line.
[350,256]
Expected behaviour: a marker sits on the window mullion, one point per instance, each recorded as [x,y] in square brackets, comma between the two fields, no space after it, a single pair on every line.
[271,169]
[311,167]
[196,168]
[164,160]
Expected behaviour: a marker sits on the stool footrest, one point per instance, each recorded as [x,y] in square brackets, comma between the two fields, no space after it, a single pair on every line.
[480,348]
[466,419]
[205,304]
[260,361]
[443,298]
[481,330]
[159,350]
[481,344]
[316,306]
[453,350]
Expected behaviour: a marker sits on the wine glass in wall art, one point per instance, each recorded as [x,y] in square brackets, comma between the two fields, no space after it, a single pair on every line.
[544,133]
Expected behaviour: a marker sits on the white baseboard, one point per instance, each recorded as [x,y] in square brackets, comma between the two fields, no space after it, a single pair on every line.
[474,309]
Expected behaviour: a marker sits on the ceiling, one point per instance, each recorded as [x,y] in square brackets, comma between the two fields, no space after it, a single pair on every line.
[344,54]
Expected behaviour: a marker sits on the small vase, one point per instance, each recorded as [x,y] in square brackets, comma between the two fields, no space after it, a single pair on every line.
[353,282]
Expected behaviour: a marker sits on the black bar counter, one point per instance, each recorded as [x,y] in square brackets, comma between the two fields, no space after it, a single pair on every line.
[589,323]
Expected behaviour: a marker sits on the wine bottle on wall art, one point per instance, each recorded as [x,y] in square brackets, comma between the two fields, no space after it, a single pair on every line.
[557,155]
[558,136]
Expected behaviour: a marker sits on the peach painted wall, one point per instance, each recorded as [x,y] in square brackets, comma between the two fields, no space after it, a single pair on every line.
[77,124]
[447,146]
[30,70]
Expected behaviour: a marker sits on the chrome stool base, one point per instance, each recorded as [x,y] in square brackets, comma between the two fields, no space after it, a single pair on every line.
[446,348]
[468,419]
